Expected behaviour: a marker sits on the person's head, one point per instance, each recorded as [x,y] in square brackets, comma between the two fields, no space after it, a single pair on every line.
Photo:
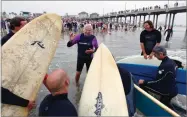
[159,52]
[58,82]
[148,25]
[88,29]
[17,23]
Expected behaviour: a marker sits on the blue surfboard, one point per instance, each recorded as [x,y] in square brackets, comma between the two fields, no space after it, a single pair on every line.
[148,72]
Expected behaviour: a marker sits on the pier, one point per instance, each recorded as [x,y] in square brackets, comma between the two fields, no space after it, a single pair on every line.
[142,13]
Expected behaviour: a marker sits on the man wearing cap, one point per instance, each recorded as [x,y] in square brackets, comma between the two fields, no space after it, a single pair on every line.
[165,81]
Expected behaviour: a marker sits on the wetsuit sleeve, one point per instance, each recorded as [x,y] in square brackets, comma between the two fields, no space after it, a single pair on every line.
[168,74]
[158,37]
[142,39]
[10,98]
[95,44]
[74,41]
[126,79]
[4,40]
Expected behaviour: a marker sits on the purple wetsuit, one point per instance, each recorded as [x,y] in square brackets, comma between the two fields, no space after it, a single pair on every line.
[84,43]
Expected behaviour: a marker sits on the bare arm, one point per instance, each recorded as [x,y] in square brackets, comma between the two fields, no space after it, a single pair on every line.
[143,48]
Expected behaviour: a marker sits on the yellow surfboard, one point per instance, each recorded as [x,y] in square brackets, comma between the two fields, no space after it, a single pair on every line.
[26,57]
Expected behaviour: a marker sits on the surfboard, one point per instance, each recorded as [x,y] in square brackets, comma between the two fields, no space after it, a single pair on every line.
[103,93]
[149,106]
[26,57]
[147,69]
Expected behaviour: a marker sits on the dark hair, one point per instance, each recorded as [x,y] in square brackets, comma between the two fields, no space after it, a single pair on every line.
[150,23]
[16,22]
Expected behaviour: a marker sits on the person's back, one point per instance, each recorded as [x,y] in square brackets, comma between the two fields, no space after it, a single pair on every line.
[128,85]
[165,82]
[168,66]
[57,103]
[57,106]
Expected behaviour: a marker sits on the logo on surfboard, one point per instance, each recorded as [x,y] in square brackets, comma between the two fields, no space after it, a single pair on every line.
[39,43]
[99,105]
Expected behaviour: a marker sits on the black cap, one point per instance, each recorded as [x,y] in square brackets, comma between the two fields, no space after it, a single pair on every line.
[159,49]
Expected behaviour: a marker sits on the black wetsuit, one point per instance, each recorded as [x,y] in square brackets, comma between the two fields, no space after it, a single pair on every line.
[149,39]
[6,38]
[12,99]
[58,105]
[128,85]
[169,34]
[165,82]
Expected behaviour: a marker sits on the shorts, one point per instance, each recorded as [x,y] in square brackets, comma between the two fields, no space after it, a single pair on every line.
[81,61]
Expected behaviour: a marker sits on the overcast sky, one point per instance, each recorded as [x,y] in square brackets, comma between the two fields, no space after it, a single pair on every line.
[74,7]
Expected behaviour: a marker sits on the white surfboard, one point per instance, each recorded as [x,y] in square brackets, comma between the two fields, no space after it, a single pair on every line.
[137,59]
[26,57]
[103,93]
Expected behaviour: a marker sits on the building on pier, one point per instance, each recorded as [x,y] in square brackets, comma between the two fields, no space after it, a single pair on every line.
[83,15]
[94,15]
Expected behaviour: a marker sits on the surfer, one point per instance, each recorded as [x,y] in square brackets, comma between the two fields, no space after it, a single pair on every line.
[16,24]
[160,28]
[57,103]
[149,38]
[87,45]
[169,33]
[165,83]
[12,99]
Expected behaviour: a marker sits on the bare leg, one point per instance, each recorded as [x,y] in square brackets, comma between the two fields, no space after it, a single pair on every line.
[77,77]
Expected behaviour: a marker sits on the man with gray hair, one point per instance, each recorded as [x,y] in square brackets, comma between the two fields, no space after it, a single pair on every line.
[165,81]
[87,45]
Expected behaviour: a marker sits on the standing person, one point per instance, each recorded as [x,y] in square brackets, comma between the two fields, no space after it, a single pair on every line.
[69,26]
[16,24]
[75,26]
[169,34]
[110,25]
[149,38]
[87,45]
[57,103]
[160,28]
[165,82]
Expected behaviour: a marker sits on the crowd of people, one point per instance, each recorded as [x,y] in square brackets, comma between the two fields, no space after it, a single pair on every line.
[57,82]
